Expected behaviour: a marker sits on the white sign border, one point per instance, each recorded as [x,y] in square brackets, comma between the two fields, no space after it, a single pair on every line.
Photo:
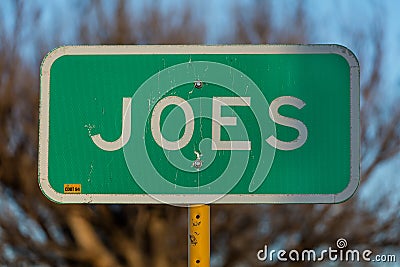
[200,49]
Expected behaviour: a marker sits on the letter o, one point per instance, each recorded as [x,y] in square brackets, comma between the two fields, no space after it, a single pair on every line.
[155,123]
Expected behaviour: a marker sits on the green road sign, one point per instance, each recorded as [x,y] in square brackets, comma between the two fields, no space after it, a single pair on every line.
[199,124]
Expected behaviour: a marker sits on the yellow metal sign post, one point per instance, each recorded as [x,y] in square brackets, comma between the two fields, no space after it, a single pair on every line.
[199,236]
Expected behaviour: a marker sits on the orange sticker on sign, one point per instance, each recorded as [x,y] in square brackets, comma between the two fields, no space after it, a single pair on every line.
[72,188]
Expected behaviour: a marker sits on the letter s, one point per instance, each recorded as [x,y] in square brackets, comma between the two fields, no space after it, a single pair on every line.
[289,122]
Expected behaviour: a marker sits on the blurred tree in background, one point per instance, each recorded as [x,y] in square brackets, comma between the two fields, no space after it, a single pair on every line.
[35,231]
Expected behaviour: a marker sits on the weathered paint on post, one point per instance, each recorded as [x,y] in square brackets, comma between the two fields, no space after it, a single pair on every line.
[199,236]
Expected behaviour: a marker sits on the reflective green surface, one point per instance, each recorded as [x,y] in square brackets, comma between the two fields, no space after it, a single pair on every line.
[86,94]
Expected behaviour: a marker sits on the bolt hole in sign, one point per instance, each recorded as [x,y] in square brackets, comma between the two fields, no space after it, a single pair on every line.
[199,124]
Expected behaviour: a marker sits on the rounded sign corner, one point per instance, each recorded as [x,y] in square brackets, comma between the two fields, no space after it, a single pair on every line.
[52,56]
[347,54]
[348,192]
[49,191]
